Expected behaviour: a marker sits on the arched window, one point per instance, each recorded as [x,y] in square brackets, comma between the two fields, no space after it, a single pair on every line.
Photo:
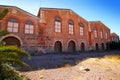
[81,29]
[106,35]
[101,33]
[70,27]
[12,25]
[29,27]
[95,32]
[57,25]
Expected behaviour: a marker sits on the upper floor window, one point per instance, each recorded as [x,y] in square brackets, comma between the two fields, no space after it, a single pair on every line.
[29,27]
[57,25]
[70,27]
[95,32]
[12,25]
[81,29]
[101,33]
[106,35]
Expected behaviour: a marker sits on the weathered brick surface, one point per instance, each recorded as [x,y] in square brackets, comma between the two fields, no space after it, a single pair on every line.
[22,16]
[48,18]
[45,37]
[114,37]
[99,25]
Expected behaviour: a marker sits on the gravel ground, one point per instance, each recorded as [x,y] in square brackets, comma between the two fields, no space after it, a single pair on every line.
[84,66]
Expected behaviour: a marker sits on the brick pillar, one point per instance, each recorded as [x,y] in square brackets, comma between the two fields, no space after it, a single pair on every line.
[90,41]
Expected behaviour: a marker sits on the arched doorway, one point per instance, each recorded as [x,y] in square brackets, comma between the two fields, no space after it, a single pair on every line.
[97,47]
[11,41]
[58,46]
[71,46]
[102,46]
[82,46]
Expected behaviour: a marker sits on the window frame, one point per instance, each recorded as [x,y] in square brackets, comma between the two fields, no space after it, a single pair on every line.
[29,27]
[57,23]
[95,32]
[101,33]
[81,28]
[71,27]
[13,25]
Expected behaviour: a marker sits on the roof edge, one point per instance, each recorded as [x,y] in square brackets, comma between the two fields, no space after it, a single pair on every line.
[7,6]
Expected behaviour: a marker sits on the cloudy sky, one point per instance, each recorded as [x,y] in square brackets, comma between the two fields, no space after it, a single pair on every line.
[106,11]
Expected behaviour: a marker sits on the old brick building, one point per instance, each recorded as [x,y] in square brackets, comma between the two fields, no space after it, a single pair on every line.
[53,30]
[114,37]
[100,35]
[68,31]
[24,28]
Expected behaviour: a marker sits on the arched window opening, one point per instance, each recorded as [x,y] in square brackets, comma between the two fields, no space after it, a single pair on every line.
[101,33]
[57,25]
[12,25]
[71,31]
[97,46]
[29,27]
[95,32]
[71,46]
[82,46]
[81,29]
[58,47]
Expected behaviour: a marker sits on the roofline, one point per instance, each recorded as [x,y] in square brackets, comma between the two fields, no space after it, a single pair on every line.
[20,9]
[53,8]
[114,33]
[99,22]
[61,9]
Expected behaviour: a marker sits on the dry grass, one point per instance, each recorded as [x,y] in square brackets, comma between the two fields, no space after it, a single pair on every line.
[107,63]
[113,58]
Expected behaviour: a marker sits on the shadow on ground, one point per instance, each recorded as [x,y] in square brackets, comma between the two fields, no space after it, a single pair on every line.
[50,61]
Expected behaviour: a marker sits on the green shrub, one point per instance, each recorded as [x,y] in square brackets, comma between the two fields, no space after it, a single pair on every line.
[11,55]
[7,72]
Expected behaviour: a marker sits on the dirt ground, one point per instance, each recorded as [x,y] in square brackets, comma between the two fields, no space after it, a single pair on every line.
[83,66]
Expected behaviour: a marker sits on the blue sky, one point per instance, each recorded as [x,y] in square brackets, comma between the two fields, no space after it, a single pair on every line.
[106,11]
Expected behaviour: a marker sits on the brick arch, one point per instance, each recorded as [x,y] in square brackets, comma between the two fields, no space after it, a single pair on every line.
[71,46]
[58,46]
[12,39]
[102,46]
[12,16]
[82,46]
[28,19]
[96,46]
[58,17]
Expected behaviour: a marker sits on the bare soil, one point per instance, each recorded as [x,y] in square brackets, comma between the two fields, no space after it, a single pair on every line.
[82,66]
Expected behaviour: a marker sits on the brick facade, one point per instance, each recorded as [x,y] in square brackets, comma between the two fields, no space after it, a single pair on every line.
[26,41]
[114,37]
[103,35]
[55,30]
[48,18]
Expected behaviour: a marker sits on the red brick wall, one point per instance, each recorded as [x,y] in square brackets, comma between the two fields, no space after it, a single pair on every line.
[22,17]
[114,37]
[99,25]
[44,32]
[48,18]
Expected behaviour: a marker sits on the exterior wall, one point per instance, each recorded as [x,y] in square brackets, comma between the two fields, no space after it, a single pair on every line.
[99,40]
[27,40]
[45,39]
[114,37]
[48,19]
